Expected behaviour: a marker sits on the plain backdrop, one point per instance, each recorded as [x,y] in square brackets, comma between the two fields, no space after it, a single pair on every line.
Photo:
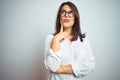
[24,25]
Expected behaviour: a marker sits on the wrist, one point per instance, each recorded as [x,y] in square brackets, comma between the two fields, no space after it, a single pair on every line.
[55,38]
[61,70]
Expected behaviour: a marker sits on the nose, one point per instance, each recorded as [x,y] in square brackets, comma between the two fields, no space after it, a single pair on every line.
[66,14]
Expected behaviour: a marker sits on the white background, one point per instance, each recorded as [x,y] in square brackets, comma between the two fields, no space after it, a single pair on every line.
[24,24]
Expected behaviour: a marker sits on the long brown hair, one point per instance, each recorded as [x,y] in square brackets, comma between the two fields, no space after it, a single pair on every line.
[76,31]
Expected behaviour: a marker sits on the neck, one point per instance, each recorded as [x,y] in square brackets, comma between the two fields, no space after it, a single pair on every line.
[68,30]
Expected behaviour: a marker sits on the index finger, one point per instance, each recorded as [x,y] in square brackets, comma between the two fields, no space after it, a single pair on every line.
[61,28]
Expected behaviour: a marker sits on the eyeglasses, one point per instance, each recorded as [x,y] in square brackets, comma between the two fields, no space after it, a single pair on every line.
[70,13]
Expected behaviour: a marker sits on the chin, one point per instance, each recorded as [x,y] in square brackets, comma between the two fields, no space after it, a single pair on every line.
[67,25]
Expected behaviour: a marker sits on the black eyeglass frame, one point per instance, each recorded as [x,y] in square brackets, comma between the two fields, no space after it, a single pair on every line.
[70,13]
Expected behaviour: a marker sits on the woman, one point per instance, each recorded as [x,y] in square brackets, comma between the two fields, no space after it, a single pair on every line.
[68,55]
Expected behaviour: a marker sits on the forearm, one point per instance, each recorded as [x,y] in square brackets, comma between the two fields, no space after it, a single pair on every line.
[55,46]
[66,69]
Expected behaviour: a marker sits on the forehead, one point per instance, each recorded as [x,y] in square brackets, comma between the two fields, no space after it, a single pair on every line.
[66,7]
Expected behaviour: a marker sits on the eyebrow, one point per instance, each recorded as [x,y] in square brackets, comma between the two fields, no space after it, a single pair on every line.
[66,11]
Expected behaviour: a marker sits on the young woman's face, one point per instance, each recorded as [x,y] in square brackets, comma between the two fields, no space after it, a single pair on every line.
[66,17]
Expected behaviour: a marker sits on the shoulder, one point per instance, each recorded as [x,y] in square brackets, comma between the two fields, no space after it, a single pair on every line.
[86,40]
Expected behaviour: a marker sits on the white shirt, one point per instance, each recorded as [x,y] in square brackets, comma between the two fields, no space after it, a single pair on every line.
[78,54]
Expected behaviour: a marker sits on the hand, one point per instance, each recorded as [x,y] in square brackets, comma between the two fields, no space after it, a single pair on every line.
[55,46]
[61,35]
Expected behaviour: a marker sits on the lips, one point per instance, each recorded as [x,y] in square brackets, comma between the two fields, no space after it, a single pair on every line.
[66,20]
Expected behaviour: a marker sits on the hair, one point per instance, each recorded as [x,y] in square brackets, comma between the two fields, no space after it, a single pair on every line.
[76,31]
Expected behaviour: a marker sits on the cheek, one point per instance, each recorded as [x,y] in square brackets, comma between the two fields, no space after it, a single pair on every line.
[72,21]
[61,20]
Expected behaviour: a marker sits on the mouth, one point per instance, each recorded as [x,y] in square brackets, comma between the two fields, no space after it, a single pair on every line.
[66,20]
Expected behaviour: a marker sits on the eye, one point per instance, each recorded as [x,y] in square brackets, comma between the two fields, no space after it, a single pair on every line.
[63,12]
[71,12]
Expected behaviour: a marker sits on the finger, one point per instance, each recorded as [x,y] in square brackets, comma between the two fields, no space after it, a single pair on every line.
[61,29]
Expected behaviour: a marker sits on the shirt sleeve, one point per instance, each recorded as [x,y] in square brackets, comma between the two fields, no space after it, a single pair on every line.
[52,59]
[84,67]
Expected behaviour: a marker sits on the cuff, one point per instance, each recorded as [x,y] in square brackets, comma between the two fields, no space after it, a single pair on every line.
[76,69]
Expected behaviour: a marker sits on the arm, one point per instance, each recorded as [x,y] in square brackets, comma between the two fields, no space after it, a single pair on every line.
[53,52]
[66,69]
[78,67]
[86,66]
[52,59]
[55,46]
